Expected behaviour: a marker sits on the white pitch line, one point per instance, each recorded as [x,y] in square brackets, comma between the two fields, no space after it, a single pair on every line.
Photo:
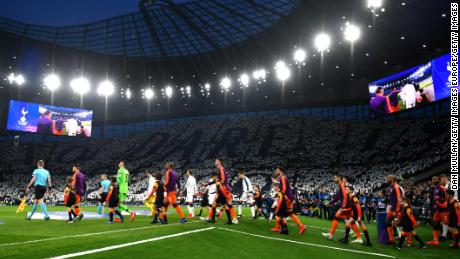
[89,234]
[108,248]
[310,226]
[308,244]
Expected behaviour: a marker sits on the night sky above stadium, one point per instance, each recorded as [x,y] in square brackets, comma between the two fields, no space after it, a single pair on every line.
[69,12]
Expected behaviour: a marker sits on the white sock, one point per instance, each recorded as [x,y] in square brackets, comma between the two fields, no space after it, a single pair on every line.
[253,211]
[445,229]
[191,210]
[271,216]
[240,210]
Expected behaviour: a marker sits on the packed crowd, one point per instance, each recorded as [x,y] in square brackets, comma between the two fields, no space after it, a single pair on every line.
[312,150]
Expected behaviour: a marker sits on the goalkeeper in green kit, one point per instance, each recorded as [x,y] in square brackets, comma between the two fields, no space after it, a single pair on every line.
[122,180]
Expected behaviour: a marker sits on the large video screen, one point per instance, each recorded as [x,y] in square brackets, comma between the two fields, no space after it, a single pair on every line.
[411,88]
[47,119]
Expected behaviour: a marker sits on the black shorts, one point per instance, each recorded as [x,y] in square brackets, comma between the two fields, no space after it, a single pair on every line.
[221,200]
[204,202]
[258,203]
[70,201]
[282,212]
[160,203]
[39,192]
[407,227]
[103,197]
[114,202]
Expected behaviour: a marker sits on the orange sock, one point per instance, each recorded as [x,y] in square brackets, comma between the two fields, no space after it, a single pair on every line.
[335,224]
[436,235]
[278,222]
[233,213]
[77,210]
[179,211]
[356,230]
[390,233]
[211,213]
[296,220]
[409,238]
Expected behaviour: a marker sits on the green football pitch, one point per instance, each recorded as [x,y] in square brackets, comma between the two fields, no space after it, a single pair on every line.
[95,238]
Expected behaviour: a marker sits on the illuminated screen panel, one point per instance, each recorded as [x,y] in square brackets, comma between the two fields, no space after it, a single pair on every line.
[50,120]
[411,88]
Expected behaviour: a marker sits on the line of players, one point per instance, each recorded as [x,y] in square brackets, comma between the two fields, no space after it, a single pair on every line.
[218,195]
[162,194]
[399,214]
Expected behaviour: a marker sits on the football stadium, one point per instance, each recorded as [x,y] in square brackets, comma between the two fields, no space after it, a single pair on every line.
[229,129]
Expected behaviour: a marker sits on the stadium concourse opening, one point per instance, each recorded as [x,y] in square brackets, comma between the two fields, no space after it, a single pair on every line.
[236,128]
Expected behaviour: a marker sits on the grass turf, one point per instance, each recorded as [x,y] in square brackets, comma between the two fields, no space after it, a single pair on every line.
[254,240]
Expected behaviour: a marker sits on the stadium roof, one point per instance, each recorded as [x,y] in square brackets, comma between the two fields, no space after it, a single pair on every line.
[163,28]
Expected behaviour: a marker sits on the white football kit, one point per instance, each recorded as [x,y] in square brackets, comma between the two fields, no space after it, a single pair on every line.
[191,188]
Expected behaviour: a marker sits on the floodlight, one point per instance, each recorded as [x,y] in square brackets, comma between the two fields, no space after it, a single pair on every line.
[322,42]
[226,83]
[52,82]
[148,93]
[169,91]
[352,33]
[300,55]
[105,88]
[80,85]
[244,80]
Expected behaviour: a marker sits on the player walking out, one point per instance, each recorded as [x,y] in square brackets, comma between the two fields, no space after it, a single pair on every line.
[158,191]
[79,187]
[191,189]
[69,199]
[247,195]
[171,183]
[345,212]
[204,200]
[150,202]
[222,198]
[358,219]
[223,179]
[395,206]
[441,210]
[113,199]
[103,191]
[258,203]
[40,180]
[122,180]
[280,174]
[282,210]
[408,223]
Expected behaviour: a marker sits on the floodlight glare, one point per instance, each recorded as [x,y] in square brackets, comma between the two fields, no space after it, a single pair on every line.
[300,55]
[374,4]
[11,78]
[80,85]
[105,88]
[148,93]
[207,86]
[282,71]
[169,91]
[352,33]
[226,83]
[322,42]
[244,80]
[52,82]
[20,79]
[259,74]
[128,93]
